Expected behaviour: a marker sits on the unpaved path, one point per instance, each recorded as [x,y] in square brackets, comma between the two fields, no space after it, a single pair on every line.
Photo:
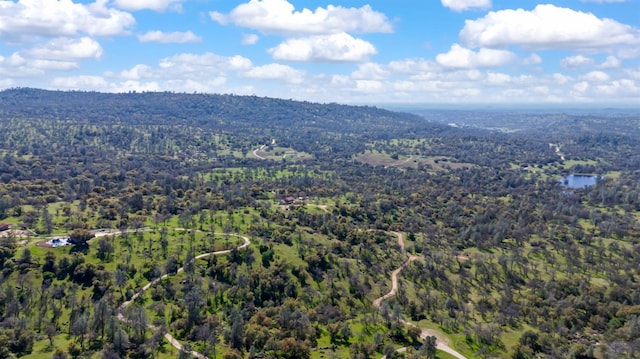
[323,207]
[255,152]
[168,336]
[400,163]
[442,343]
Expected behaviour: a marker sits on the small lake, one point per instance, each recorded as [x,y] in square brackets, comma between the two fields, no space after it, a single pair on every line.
[579,181]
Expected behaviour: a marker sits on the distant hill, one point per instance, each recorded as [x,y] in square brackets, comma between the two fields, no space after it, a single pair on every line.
[229,113]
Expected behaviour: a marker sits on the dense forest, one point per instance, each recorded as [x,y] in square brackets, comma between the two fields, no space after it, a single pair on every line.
[225,226]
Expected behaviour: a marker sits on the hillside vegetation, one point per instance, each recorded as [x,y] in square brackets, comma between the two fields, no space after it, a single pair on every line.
[497,257]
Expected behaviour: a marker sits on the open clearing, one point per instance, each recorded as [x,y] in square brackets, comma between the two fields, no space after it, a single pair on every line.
[429,163]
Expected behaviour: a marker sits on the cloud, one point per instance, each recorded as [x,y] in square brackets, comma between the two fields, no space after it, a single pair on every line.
[370,71]
[547,27]
[572,62]
[80,83]
[610,63]
[66,49]
[53,65]
[369,86]
[337,48]
[60,54]
[496,78]
[278,72]
[462,5]
[596,76]
[250,39]
[460,57]
[280,17]
[413,66]
[28,20]
[196,66]
[176,37]
[533,59]
[156,5]
[581,87]
[560,79]
[135,73]
[603,1]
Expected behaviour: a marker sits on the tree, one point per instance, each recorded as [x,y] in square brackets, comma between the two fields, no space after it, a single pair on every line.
[50,331]
[235,334]
[137,316]
[121,279]
[80,328]
[171,265]
[346,332]
[334,330]
[59,354]
[101,313]
[108,353]
[414,333]
[7,249]
[80,237]
[291,348]
[430,346]
[185,352]
[47,221]
[74,350]
[120,340]
[105,249]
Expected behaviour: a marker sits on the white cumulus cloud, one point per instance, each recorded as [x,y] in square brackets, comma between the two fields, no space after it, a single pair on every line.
[604,1]
[250,39]
[25,20]
[135,73]
[369,86]
[611,62]
[198,66]
[596,76]
[66,49]
[533,59]
[547,27]
[340,47]
[281,17]
[156,5]
[461,57]
[80,82]
[278,72]
[576,61]
[53,65]
[176,37]
[496,78]
[462,5]
[370,71]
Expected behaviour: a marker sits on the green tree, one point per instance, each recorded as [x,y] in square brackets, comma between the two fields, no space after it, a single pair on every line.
[430,347]
[7,249]
[80,237]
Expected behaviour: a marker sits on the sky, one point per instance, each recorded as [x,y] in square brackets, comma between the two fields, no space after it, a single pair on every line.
[346,51]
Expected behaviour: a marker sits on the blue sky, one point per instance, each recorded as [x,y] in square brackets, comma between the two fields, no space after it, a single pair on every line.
[372,52]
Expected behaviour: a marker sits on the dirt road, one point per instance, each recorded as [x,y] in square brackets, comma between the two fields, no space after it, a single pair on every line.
[168,336]
[442,343]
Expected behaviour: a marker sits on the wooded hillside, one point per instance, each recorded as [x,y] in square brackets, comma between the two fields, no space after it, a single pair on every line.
[304,211]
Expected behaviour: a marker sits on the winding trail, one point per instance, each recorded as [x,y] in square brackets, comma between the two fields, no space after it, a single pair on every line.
[397,164]
[173,341]
[442,343]
[323,207]
[255,152]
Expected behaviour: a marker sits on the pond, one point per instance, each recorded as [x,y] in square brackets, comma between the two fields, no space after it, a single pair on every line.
[579,181]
